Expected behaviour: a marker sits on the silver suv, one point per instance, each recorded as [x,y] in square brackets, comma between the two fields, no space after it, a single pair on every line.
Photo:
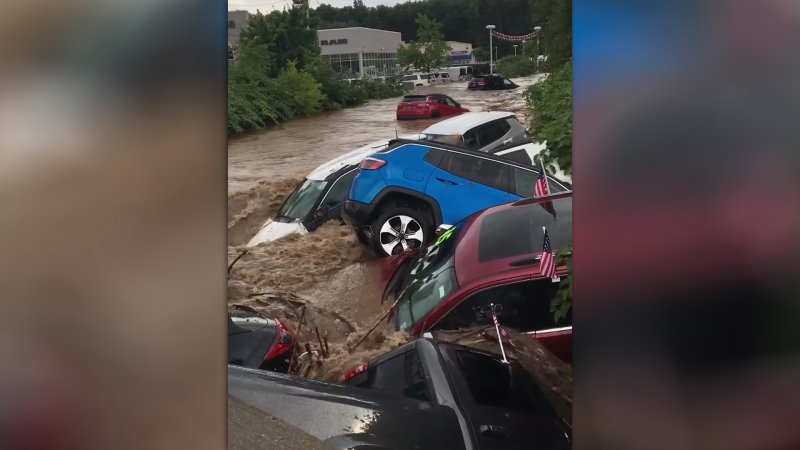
[481,131]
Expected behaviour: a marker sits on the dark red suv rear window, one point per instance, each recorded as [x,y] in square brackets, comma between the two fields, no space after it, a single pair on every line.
[518,231]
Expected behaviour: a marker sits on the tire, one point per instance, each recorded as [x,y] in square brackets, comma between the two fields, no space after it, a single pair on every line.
[414,224]
[435,114]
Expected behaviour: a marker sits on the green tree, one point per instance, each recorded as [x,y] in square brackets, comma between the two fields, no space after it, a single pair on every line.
[285,35]
[480,54]
[429,51]
[555,18]
[551,102]
[515,66]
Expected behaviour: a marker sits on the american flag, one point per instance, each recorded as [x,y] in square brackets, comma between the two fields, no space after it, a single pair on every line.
[547,265]
[503,335]
[540,189]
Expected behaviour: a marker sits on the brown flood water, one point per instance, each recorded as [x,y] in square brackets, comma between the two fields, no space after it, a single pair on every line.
[328,271]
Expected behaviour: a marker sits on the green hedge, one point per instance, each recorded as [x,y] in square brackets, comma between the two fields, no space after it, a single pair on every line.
[255,100]
[516,66]
[551,101]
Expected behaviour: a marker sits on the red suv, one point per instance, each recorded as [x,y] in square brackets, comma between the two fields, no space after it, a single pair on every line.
[428,106]
[491,258]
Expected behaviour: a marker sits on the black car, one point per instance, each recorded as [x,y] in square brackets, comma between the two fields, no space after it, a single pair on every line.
[258,342]
[425,395]
[499,403]
[490,82]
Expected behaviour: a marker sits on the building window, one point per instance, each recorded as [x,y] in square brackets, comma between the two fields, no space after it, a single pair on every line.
[231,24]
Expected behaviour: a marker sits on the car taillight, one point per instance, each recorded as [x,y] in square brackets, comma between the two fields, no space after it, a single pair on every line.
[371,164]
[481,82]
[283,342]
[358,370]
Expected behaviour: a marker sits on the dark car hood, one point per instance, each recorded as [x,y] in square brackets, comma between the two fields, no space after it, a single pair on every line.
[344,416]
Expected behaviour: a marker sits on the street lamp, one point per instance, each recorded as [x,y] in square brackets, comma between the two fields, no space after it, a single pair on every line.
[515,49]
[537,30]
[490,28]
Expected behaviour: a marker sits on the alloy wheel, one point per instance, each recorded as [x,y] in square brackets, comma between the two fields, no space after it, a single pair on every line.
[400,233]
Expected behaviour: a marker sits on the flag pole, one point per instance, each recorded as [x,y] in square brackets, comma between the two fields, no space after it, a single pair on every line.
[544,173]
[497,330]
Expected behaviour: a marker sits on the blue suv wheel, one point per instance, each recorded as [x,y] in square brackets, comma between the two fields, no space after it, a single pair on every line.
[399,227]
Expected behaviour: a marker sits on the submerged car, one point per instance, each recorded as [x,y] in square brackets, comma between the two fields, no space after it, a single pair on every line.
[318,198]
[402,193]
[480,131]
[258,342]
[429,396]
[489,262]
[428,106]
[499,402]
[490,82]
[321,195]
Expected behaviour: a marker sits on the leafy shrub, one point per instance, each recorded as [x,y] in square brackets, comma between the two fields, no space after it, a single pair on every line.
[516,66]
[551,101]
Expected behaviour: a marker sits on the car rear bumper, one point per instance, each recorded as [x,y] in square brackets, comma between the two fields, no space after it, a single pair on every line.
[410,115]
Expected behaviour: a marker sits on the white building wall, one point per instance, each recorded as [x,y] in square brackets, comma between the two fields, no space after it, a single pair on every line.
[237,21]
[360,52]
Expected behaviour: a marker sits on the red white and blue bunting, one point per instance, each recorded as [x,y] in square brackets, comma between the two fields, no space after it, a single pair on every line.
[509,38]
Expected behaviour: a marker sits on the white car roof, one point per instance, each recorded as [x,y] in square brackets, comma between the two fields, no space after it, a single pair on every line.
[351,158]
[464,122]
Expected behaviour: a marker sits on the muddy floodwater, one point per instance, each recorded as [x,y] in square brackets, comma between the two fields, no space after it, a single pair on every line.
[327,273]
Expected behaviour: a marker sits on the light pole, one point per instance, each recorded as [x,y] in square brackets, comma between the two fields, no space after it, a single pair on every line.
[515,49]
[490,28]
[537,30]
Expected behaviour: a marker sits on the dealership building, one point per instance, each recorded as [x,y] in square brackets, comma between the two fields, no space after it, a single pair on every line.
[460,53]
[360,52]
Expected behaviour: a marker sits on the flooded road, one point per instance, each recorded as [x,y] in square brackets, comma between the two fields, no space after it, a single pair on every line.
[326,273]
[297,147]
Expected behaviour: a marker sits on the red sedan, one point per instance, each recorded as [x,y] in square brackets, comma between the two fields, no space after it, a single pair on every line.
[428,106]
[488,262]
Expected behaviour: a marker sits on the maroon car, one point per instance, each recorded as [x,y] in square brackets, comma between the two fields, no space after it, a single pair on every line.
[489,261]
[428,106]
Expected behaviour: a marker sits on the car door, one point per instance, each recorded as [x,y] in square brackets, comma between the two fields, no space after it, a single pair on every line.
[444,108]
[330,206]
[454,107]
[491,134]
[504,406]
[508,84]
[463,184]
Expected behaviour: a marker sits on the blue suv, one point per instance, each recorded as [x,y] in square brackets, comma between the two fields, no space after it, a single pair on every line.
[401,194]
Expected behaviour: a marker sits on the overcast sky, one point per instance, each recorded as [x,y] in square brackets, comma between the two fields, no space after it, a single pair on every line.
[268,5]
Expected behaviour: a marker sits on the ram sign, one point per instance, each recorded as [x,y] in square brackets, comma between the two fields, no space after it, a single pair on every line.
[333,42]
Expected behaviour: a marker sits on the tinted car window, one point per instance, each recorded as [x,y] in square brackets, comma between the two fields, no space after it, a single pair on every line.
[450,101]
[491,382]
[523,182]
[402,375]
[483,171]
[492,131]
[518,231]
[523,306]
[518,156]
[299,204]
[471,139]
[433,156]
[507,82]
[338,192]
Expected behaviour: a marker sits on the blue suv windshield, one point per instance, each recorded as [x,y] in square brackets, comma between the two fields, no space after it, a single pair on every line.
[299,204]
[430,278]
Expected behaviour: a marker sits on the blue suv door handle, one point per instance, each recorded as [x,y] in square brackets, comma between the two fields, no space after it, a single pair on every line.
[443,181]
